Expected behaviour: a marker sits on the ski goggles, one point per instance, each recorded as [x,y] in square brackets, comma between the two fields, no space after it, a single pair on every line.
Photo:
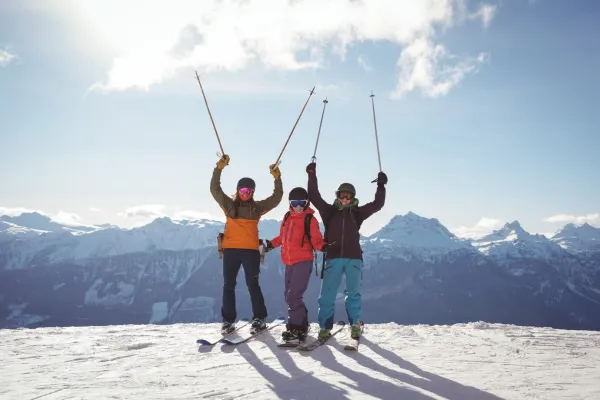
[345,195]
[245,191]
[298,203]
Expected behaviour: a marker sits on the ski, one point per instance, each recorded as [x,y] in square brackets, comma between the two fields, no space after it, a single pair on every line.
[289,345]
[247,335]
[313,344]
[352,344]
[212,340]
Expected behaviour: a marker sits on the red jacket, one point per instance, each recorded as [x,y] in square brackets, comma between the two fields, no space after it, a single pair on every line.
[290,238]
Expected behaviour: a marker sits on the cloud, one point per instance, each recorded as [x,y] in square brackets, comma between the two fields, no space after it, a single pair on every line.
[16,211]
[152,211]
[192,215]
[486,13]
[364,63]
[67,218]
[566,218]
[94,209]
[154,43]
[7,58]
[144,211]
[484,226]
[430,68]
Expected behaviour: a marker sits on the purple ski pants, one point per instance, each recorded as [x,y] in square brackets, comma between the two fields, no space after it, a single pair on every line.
[296,282]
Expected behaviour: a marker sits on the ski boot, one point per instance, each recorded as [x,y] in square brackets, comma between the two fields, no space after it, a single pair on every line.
[356,330]
[294,336]
[324,334]
[227,328]
[258,324]
[294,333]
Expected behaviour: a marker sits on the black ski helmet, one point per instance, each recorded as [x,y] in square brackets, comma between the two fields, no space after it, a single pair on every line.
[298,193]
[346,187]
[246,182]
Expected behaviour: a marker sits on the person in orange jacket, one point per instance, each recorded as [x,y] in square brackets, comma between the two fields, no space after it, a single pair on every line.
[241,243]
[297,256]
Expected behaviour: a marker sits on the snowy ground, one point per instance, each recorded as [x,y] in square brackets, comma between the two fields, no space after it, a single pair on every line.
[473,361]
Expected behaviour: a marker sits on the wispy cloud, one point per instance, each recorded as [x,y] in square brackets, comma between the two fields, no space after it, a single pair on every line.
[15,211]
[67,218]
[363,61]
[575,219]
[191,215]
[152,211]
[484,226]
[429,67]
[230,35]
[6,58]
[144,211]
[486,13]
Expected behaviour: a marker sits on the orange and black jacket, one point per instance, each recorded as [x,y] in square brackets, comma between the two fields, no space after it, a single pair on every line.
[241,225]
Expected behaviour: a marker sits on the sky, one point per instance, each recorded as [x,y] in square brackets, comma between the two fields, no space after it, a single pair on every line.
[487,112]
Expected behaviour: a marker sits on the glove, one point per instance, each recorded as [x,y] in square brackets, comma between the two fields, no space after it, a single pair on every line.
[311,168]
[223,161]
[324,248]
[382,178]
[275,172]
[269,245]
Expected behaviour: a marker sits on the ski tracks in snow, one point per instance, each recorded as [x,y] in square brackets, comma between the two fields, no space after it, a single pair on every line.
[464,361]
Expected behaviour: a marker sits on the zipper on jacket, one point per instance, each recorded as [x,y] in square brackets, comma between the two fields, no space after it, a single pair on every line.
[289,235]
[343,230]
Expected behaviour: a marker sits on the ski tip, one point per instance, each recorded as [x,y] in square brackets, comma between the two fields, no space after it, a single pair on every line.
[341,323]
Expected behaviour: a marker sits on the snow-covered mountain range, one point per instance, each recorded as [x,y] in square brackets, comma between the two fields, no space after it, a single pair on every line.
[416,271]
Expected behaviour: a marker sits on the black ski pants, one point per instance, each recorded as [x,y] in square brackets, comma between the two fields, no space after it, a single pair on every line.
[233,259]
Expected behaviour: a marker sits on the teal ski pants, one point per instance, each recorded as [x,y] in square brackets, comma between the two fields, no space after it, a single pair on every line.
[335,269]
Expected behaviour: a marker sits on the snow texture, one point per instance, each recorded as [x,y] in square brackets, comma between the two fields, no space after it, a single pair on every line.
[461,362]
[578,238]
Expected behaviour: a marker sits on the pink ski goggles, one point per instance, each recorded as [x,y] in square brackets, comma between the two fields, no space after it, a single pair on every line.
[245,191]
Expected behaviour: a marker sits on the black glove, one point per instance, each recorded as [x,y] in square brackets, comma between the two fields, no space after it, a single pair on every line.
[324,248]
[269,245]
[311,168]
[382,178]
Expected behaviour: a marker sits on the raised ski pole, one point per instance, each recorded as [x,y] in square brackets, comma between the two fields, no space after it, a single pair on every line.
[376,137]
[314,157]
[210,115]
[290,136]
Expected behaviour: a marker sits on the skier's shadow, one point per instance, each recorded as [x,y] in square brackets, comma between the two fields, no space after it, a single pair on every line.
[300,385]
[428,381]
[367,384]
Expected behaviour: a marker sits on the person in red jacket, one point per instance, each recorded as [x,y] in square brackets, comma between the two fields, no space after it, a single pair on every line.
[297,256]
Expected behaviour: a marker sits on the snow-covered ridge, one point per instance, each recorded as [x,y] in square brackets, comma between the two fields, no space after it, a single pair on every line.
[412,230]
[24,237]
[513,241]
[578,238]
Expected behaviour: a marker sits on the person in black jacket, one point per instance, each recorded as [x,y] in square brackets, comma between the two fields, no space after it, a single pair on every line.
[342,221]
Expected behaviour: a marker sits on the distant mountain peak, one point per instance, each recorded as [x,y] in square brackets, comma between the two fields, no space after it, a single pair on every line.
[413,230]
[578,237]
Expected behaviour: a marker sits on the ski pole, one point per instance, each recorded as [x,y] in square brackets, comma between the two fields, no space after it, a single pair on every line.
[290,136]
[314,158]
[210,115]
[376,136]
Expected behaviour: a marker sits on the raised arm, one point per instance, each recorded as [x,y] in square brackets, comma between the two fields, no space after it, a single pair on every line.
[371,208]
[266,205]
[325,209]
[215,185]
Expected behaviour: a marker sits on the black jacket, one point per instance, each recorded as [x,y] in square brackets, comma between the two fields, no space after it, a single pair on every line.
[342,226]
